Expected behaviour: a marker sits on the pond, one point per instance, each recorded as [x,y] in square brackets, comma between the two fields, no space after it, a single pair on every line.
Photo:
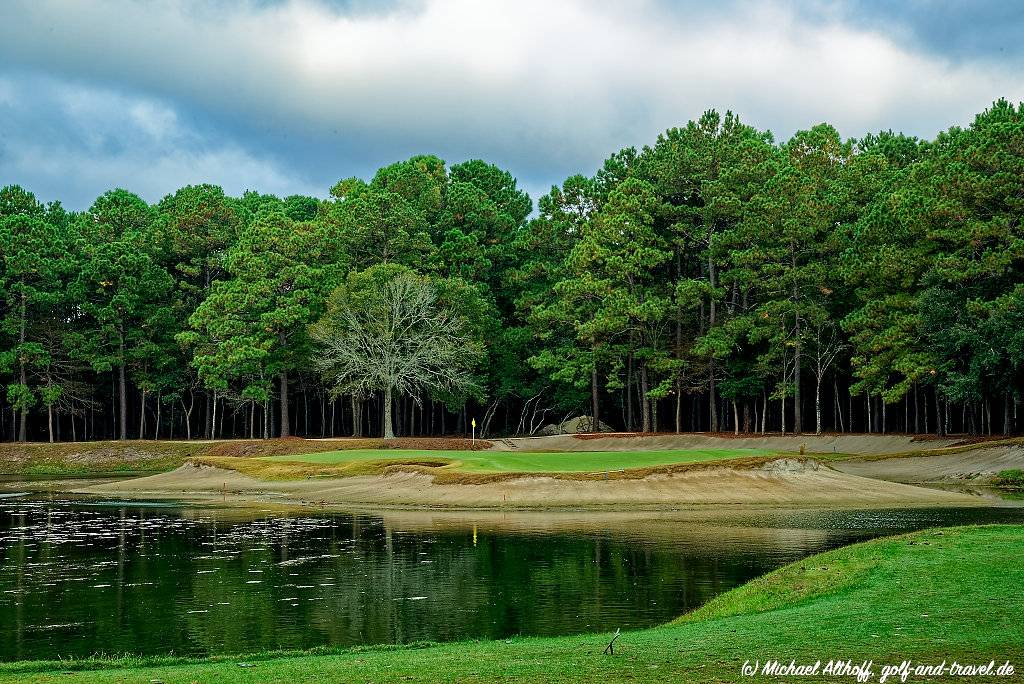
[80,577]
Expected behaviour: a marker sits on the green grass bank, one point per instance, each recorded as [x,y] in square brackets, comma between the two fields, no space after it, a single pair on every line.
[530,461]
[932,596]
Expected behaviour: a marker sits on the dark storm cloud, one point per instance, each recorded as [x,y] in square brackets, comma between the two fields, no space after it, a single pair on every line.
[959,31]
[290,96]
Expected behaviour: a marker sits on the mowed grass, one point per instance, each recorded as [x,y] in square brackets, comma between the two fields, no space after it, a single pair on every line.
[932,596]
[525,461]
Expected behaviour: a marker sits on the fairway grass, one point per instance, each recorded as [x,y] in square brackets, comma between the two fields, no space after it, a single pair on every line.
[931,596]
[525,461]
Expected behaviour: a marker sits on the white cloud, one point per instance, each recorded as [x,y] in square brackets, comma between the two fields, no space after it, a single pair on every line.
[538,86]
[83,140]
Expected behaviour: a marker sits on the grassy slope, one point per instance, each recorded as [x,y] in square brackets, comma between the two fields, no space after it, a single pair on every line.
[371,456]
[455,466]
[531,462]
[929,596]
[88,458]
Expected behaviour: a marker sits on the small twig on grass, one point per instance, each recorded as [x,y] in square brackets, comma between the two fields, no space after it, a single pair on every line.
[610,648]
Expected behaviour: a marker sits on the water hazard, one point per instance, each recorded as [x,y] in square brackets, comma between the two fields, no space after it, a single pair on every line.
[82,577]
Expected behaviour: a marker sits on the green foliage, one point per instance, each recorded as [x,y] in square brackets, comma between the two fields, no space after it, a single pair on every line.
[937,259]
[252,325]
[713,267]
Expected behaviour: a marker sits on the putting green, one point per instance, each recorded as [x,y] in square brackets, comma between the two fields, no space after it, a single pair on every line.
[529,462]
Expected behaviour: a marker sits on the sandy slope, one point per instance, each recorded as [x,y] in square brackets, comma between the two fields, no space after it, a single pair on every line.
[777,485]
[975,466]
[843,444]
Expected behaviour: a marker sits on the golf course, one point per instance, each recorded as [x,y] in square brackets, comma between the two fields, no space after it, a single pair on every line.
[929,596]
[511,342]
[657,472]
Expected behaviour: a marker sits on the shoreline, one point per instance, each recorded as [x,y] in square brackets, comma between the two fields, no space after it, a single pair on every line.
[791,611]
[811,485]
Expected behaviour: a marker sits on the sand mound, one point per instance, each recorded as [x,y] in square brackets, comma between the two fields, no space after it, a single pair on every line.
[978,466]
[820,444]
[783,484]
[791,465]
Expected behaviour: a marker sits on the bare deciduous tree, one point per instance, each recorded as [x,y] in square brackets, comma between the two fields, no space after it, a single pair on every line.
[826,346]
[394,338]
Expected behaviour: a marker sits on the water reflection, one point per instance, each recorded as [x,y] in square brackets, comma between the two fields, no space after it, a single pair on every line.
[79,578]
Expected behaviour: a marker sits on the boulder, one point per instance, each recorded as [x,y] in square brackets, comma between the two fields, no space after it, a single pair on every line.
[572,426]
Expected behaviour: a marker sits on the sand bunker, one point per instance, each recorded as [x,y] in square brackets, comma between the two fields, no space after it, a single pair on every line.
[778,484]
[820,444]
[977,466]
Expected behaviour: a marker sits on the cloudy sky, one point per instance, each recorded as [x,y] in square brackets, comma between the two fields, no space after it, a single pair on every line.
[288,96]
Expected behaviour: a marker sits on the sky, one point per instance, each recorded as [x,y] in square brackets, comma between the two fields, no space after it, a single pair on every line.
[289,96]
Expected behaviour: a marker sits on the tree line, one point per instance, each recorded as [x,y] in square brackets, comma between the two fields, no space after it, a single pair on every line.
[714,280]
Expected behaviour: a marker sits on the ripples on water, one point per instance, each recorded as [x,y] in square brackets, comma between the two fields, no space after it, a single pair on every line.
[79,578]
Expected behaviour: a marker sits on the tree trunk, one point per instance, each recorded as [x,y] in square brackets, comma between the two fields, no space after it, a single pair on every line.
[917,412]
[627,393]
[122,393]
[266,419]
[305,410]
[286,430]
[798,423]
[142,414]
[712,398]
[764,412]
[1016,403]
[782,403]
[1006,415]
[839,406]
[679,406]
[207,416]
[213,429]
[23,414]
[713,408]
[735,418]
[645,405]
[188,419]
[49,421]
[323,417]
[817,406]
[938,413]
[389,430]
[595,413]
[356,412]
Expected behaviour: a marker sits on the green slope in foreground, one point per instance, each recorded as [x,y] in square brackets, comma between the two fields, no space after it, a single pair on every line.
[529,462]
[930,596]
